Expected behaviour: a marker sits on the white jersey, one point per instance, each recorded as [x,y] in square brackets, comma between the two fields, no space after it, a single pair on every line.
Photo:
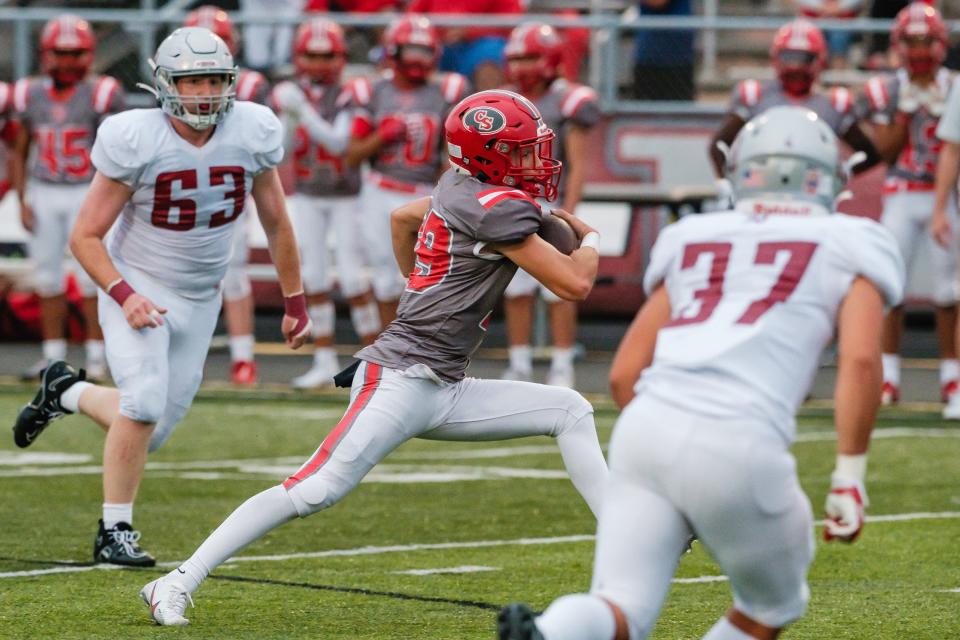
[754,301]
[178,225]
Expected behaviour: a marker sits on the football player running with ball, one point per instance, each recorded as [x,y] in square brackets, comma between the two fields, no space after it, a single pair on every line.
[174,179]
[710,376]
[460,248]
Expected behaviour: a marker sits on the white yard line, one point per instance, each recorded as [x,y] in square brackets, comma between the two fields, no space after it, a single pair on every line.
[437,546]
[430,572]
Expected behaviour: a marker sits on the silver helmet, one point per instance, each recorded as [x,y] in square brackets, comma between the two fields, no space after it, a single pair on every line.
[194,51]
[787,154]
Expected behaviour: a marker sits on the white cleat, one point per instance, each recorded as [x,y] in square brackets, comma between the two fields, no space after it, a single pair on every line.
[167,601]
[952,410]
[317,377]
[560,378]
[517,375]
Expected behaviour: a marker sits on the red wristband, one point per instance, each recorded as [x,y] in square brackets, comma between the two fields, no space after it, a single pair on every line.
[120,291]
[295,306]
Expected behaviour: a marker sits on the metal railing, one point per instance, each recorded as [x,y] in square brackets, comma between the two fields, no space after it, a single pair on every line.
[608,32]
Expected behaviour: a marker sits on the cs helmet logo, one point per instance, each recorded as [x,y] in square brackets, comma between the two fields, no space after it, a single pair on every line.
[484,120]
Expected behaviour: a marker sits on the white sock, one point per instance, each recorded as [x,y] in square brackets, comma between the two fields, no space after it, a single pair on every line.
[580,450]
[249,522]
[117,512]
[562,359]
[891,368]
[55,349]
[325,357]
[949,370]
[521,358]
[724,630]
[70,399]
[241,348]
[95,351]
[577,617]
[323,316]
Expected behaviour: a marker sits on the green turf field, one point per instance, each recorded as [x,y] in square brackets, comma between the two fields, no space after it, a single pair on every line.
[499,517]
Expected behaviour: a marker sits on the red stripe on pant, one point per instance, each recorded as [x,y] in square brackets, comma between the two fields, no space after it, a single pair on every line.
[371,381]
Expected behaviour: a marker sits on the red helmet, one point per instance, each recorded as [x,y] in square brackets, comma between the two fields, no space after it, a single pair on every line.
[798,53]
[487,133]
[412,46]
[538,41]
[920,23]
[66,48]
[320,37]
[217,20]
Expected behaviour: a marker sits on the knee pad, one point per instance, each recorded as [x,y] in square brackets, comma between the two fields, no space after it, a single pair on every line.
[522,284]
[318,492]
[365,318]
[323,316]
[166,425]
[236,283]
[575,407]
[780,615]
[143,401]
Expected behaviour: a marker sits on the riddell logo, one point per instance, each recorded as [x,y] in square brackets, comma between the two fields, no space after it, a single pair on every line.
[783,209]
[485,120]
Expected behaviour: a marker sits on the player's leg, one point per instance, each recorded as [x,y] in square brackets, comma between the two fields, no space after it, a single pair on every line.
[386,409]
[898,219]
[312,225]
[376,205]
[351,278]
[238,307]
[640,539]
[563,327]
[518,299]
[943,263]
[482,410]
[46,247]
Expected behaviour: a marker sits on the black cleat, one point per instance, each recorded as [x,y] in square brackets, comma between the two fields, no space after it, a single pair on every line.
[45,408]
[120,545]
[515,622]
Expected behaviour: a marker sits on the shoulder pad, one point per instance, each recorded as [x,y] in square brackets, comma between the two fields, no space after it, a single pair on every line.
[21,91]
[358,90]
[576,97]
[841,99]
[877,91]
[248,83]
[750,92]
[104,90]
[453,87]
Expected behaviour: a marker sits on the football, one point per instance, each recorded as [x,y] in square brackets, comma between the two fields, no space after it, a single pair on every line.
[557,232]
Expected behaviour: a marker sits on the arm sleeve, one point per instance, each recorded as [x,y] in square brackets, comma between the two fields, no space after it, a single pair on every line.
[265,139]
[949,128]
[662,256]
[115,150]
[509,221]
[334,136]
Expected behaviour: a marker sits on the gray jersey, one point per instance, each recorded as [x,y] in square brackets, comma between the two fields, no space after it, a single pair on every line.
[317,171]
[252,86]
[835,107]
[446,307]
[63,126]
[566,104]
[419,156]
[917,162]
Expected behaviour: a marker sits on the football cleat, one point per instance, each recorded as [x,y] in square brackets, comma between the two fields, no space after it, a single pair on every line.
[889,394]
[45,408]
[244,372]
[516,622]
[121,545]
[517,375]
[317,377]
[558,377]
[167,601]
[947,390]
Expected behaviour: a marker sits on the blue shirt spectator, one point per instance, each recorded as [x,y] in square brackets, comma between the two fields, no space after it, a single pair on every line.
[668,47]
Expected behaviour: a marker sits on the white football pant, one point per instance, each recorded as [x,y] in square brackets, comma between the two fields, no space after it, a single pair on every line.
[55,210]
[315,218]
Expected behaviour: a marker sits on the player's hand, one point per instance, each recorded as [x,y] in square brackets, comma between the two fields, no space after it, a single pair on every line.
[908,98]
[26,217]
[290,97]
[579,227]
[845,509]
[141,313]
[391,129]
[941,229]
[296,325]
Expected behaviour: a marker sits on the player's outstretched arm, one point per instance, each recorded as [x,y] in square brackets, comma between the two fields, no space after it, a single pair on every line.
[404,225]
[570,277]
[856,399]
[860,141]
[635,352]
[272,210]
[103,203]
[948,170]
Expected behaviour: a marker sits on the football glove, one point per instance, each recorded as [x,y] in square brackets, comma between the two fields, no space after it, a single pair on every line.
[845,509]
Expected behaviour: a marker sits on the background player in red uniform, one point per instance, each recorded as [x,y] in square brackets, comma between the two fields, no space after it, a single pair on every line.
[400,132]
[58,114]
[318,111]
[238,308]
[534,53]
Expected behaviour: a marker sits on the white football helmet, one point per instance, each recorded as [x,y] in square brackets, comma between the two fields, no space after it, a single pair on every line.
[787,154]
[194,51]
